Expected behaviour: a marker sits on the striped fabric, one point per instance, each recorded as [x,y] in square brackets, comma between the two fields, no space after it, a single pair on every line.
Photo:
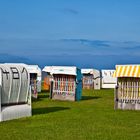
[127,71]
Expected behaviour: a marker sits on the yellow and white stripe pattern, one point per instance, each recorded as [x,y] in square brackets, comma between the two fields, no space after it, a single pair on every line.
[127,71]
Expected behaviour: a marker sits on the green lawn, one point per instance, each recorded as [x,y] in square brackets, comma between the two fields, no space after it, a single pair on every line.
[92,118]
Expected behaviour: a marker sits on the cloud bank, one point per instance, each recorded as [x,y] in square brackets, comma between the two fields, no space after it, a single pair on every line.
[81,52]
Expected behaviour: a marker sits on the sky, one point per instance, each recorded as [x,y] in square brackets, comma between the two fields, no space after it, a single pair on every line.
[86,33]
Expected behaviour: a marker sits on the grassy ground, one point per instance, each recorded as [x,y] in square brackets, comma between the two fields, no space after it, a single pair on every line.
[92,118]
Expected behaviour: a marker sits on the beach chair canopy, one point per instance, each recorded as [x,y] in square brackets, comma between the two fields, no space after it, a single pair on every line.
[127,71]
[67,70]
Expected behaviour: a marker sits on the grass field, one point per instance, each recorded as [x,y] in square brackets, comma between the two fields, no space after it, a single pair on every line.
[91,118]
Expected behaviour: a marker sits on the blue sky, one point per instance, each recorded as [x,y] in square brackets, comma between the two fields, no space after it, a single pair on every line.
[86,33]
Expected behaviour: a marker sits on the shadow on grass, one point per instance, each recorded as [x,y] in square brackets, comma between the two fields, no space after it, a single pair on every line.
[45,110]
[40,97]
[45,91]
[90,97]
[43,96]
[36,100]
